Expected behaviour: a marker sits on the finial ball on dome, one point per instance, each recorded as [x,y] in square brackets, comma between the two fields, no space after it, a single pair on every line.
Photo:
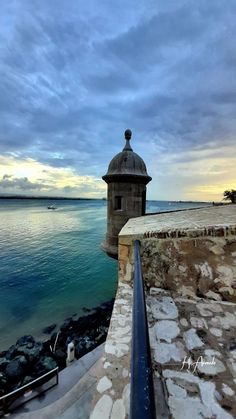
[128,134]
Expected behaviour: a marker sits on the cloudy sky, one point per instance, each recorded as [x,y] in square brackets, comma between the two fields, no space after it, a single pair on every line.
[75,74]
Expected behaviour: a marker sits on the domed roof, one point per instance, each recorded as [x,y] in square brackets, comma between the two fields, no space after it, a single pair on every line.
[127,163]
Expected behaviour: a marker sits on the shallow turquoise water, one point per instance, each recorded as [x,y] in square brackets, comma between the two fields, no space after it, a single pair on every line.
[51,265]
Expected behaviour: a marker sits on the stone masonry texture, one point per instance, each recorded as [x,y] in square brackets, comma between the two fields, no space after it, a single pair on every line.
[189,272]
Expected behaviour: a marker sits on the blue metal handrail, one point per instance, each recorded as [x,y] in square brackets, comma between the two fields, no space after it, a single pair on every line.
[142,402]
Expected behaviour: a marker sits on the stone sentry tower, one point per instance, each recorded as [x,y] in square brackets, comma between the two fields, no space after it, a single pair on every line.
[126,195]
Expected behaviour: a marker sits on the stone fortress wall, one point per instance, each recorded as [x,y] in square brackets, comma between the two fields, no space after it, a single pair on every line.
[196,260]
[189,270]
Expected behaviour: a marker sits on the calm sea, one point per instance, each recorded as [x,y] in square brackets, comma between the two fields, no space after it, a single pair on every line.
[51,265]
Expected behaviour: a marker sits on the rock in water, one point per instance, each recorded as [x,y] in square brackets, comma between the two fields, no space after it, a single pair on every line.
[3,363]
[15,370]
[49,329]
[45,364]
[11,353]
[84,345]
[26,340]
[33,353]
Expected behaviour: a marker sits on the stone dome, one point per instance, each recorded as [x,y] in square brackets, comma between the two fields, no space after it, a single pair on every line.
[127,163]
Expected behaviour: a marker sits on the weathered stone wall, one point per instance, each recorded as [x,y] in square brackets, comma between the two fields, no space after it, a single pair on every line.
[112,398]
[182,254]
[116,219]
[205,266]
[177,263]
[199,264]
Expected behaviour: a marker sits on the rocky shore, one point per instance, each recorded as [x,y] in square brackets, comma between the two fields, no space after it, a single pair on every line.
[29,358]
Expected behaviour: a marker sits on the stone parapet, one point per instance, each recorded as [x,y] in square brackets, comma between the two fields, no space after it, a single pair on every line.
[112,398]
[184,252]
[202,221]
[188,275]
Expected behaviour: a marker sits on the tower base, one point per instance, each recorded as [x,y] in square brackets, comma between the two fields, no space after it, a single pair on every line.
[110,250]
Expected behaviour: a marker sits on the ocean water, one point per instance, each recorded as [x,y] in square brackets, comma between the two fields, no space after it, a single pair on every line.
[51,265]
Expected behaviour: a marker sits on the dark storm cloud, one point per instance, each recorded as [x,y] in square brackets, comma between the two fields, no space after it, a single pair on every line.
[9,182]
[74,76]
[145,44]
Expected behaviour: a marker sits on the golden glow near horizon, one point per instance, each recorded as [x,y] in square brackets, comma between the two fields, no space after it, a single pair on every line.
[200,175]
[43,179]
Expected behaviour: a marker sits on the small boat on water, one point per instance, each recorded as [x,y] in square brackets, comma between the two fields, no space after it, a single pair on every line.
[52,207]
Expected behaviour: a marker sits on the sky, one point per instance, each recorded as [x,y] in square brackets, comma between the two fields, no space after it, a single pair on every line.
[75,74]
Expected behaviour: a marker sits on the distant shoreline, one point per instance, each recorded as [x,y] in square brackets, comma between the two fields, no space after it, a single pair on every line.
[54,198]
[51,198]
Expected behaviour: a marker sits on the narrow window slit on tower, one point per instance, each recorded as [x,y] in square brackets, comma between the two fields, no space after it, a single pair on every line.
[118,202]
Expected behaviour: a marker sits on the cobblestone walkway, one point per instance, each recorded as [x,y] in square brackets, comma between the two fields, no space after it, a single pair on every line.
[194,353]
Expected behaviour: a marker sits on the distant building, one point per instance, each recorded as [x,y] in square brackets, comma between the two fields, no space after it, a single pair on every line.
[126,194]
